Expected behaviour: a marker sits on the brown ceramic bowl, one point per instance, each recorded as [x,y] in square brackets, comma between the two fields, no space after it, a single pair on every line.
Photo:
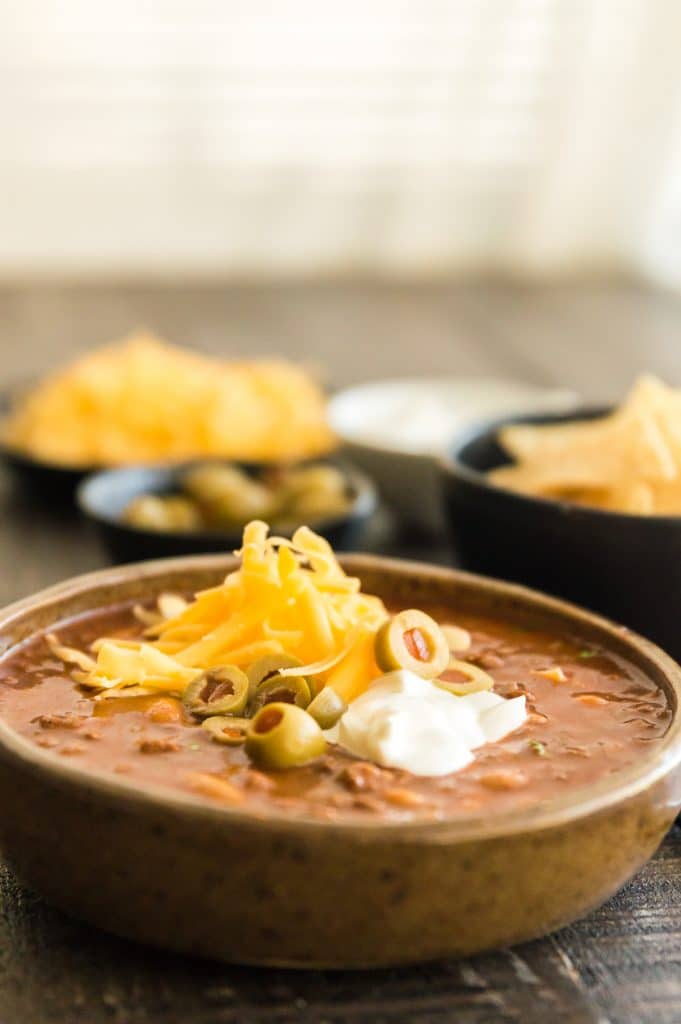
[160,868]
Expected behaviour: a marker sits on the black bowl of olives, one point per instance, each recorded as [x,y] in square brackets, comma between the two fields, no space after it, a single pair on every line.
[159,511]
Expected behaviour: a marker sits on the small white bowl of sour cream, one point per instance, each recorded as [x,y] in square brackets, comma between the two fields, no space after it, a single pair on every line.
[397,429]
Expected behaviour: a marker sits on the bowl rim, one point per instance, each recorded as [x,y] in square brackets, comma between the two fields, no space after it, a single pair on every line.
[363,503]
[451,465]
[571,807]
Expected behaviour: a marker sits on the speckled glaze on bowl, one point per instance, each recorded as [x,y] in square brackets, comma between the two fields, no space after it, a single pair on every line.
[160,868]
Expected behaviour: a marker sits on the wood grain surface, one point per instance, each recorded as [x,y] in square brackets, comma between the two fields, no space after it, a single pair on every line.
[622,964]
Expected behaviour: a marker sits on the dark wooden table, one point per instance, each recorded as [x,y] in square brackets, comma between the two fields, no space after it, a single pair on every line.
[623,962]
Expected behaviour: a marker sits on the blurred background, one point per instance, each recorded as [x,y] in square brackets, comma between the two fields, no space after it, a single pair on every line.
[537,137]
[379,187]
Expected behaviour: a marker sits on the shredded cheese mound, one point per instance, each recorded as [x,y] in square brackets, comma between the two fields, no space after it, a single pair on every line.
[287,597]
[141,400]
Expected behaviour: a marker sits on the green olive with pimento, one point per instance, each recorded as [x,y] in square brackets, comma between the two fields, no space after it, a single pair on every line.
[222,690]
[412,640]
[282,690]
[283,736]
[327,707]
[227,729]
[267,666]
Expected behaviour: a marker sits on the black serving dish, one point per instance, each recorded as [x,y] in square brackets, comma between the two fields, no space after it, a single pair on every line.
[43,477]
[103,496]
[56,480]
[626,566]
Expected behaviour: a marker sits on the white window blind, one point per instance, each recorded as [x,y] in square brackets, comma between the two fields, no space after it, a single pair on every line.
[262,136]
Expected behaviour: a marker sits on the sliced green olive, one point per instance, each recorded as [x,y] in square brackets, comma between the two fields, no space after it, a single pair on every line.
[458,639]
[219,691]
[314,506]
[312,493]
[283,736]
[268,666]
[225,729]
[413,641]
[227,495]
[213,480]
[474,679]
[282,690]
[327,707]
[320,479]
[160,512]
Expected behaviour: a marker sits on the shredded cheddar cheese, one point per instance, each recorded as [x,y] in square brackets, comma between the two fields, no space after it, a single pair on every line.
[141,400]
[287,597]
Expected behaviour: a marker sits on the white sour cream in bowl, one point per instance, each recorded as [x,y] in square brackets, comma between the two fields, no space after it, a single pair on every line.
[403,721]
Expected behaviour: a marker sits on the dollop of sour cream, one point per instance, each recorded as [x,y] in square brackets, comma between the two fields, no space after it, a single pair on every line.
[403,721]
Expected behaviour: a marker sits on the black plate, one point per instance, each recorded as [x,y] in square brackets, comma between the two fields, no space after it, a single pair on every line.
[104,496]
[626,566]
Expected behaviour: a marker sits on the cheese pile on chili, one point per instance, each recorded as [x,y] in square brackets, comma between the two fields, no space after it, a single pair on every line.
[287,597]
